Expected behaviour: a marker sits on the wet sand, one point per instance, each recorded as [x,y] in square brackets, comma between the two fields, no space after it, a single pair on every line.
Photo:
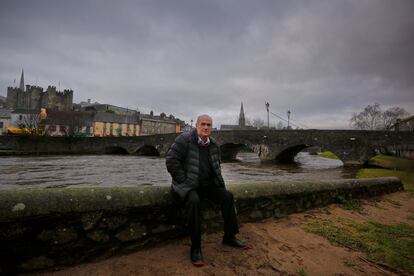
[279,247]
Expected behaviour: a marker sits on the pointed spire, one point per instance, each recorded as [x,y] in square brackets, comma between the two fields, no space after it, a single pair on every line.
[242,120]
[22,81]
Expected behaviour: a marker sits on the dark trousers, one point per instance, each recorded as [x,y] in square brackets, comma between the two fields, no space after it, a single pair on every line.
[217,195]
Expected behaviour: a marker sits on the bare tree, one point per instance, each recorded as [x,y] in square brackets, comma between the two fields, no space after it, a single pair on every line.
[31,120]
[74,124]
[391,115]
[373,118]
[258,123]
[369,118]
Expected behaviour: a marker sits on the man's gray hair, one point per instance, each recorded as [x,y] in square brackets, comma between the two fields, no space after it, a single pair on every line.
[204,116]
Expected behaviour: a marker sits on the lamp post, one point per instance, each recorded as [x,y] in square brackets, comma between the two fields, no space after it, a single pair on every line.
[267,109]
[191,123]
[288,115]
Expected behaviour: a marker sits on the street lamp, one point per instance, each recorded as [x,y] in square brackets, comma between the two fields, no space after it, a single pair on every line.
[267,108]
[191,123]
[288,114]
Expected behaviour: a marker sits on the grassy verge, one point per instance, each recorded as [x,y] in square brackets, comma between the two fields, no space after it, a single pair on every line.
[391,162]
[407,177]
[390,246]
[328,154]
[350,204]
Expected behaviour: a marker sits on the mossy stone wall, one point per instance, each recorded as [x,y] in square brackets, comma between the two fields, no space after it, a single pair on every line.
[45,228]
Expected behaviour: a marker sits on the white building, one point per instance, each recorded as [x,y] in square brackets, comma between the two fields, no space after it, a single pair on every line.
[5,119]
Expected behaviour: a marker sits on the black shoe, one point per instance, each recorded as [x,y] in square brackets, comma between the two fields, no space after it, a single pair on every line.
[235,242]
[197,257]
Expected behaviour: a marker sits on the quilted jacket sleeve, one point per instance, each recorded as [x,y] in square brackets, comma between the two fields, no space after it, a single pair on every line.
[175,159]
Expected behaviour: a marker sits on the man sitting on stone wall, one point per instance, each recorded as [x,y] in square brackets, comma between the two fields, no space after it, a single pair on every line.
[194,164]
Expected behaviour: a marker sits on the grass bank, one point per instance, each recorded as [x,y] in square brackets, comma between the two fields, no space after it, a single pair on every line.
[407,177]
[391,162]
[328,154]
[390,246]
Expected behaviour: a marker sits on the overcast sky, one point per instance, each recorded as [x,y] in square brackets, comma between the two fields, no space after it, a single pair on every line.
[323,60]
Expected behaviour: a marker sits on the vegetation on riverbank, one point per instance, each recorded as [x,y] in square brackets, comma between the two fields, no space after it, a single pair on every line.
[328,154]
[390,246]
[391,162]
[407,177]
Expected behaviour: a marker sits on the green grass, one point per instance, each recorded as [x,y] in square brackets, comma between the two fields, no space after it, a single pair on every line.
[350,204]
[391,162]
[407,177]
[328,154]
[392,245]
[302,272]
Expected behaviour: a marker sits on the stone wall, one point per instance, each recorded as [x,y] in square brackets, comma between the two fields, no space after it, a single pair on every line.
[45,228]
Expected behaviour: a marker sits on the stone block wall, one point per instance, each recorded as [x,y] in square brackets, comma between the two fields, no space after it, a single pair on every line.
[44,228]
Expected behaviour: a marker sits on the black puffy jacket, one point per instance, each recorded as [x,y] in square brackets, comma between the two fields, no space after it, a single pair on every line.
[182,162]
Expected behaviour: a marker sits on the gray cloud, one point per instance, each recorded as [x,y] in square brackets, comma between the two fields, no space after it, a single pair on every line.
[321,59]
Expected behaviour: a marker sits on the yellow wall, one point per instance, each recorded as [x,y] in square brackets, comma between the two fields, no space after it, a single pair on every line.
[136,130]
[124,130]
[107,129]
[98,129]
[115,126]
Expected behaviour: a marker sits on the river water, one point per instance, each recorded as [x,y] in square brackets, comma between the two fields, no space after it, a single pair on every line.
[126,170]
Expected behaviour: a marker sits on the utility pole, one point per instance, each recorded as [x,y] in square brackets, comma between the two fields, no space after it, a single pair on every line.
[267,109]
[288,115]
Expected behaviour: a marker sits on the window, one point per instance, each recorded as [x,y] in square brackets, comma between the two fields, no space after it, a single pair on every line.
[1,125]
[52,128]
[62,128]
[20,117]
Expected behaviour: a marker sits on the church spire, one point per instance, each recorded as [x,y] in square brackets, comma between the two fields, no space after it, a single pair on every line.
[22,81]
[242,120]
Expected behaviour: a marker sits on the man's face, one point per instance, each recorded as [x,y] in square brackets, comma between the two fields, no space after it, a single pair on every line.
[204,127]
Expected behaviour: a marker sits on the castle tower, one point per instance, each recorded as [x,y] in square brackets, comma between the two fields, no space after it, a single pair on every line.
[242,120]
[22,81]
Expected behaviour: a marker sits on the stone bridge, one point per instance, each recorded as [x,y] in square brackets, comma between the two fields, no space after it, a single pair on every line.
[351,146]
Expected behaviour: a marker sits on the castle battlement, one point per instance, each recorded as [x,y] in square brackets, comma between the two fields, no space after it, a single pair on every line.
[36,98]
[65,92]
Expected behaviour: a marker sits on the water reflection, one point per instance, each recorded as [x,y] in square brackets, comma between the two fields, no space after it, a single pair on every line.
[121,170]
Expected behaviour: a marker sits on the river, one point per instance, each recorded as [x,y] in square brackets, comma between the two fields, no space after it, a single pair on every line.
[126,170]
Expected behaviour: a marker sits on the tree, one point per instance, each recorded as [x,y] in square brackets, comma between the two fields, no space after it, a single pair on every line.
[30,121]
[391,115]
[258,123]
[373,118]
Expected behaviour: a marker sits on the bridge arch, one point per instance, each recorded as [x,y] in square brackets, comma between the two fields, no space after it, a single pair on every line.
[229,151]
[147,150]
[288,154]
[115,150]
